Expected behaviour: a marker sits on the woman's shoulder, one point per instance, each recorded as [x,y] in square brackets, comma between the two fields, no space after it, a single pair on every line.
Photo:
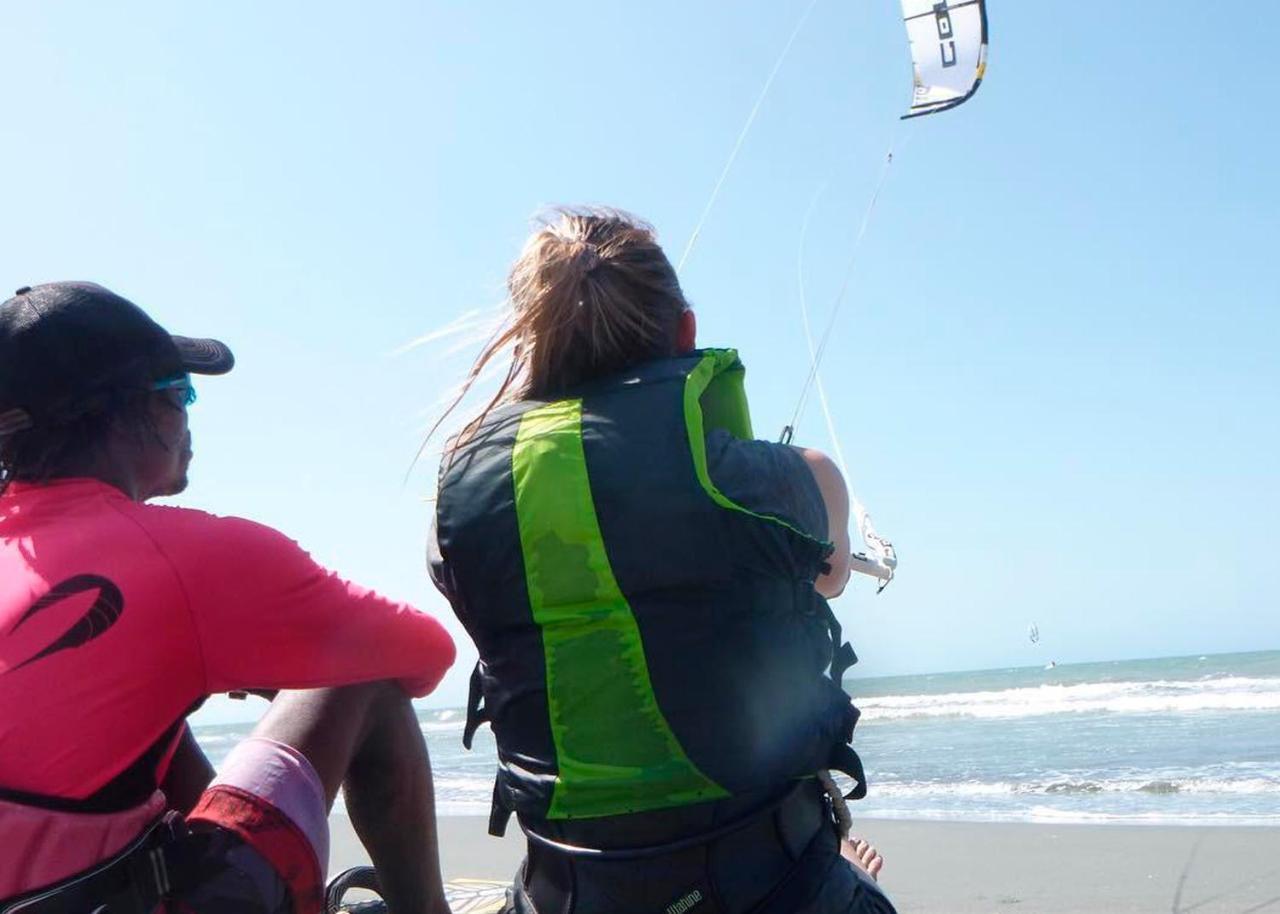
[767,477]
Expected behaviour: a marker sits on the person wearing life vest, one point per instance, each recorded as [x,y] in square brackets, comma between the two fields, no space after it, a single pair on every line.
[646,585]
[118,618]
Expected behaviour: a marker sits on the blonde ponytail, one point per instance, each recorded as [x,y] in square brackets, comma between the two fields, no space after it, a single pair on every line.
[590,294]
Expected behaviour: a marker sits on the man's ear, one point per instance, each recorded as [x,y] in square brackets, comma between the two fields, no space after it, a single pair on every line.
[687,332]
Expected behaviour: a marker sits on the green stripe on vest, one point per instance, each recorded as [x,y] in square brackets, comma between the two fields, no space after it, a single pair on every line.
[614,748]
[714,398]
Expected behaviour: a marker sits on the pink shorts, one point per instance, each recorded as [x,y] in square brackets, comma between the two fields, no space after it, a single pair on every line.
[268,795]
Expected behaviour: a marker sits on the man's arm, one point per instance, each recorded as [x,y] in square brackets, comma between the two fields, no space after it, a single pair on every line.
[268,617]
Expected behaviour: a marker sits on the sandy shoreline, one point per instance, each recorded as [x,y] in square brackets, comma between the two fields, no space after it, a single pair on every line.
[967,868]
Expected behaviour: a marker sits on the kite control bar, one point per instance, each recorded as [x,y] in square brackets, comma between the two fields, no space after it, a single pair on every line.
[863,564]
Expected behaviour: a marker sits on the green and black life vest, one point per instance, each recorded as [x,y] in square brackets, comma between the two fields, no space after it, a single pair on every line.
[635,652]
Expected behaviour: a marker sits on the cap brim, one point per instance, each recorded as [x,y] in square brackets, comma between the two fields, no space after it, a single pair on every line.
[204,356]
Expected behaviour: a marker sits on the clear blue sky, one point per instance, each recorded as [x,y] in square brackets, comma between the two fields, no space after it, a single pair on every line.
[1056,377]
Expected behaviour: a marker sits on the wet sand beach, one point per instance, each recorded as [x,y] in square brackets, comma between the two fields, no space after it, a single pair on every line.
[967,868]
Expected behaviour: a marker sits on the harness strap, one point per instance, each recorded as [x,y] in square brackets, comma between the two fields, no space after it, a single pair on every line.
[809,873]
[692,874]
[839,808]
[843,655]
[658,850]
[499,812]
[477,714]
[846,761]
[134,881]
[843,758]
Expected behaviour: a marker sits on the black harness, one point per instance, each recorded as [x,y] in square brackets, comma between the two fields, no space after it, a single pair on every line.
[793,836]
[134,881]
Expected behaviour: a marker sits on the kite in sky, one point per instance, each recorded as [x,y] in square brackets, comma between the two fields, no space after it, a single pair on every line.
[948,52]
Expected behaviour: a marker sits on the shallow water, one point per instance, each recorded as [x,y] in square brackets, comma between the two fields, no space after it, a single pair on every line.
[1184,740]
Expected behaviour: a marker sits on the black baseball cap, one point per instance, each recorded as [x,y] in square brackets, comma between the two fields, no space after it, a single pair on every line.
[63,343]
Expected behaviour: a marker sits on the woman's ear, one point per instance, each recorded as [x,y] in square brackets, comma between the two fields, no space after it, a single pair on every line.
[687,332]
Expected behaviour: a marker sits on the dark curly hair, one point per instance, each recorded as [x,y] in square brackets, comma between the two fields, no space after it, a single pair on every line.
[59,448]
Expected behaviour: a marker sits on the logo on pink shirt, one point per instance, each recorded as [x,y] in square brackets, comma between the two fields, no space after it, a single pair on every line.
[101,615]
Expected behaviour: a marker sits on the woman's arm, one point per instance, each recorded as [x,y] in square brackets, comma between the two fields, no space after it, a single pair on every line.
[835,495]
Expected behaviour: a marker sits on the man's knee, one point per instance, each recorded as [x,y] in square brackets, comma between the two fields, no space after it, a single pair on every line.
[332,727]
[338,707]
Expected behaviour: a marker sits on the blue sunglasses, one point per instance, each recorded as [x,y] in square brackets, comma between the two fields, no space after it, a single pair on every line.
[182,384]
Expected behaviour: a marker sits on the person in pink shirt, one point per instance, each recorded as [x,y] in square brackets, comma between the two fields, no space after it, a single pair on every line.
[118,618]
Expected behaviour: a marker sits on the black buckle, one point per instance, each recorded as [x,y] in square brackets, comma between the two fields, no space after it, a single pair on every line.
[477,714]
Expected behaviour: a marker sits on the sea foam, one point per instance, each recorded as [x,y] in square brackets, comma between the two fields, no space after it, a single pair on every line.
[1232,693]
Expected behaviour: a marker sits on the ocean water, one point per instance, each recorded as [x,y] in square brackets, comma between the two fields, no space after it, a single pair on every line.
[1181,740]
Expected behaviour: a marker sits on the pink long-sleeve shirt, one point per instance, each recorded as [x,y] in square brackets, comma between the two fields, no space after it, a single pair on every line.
[116,617]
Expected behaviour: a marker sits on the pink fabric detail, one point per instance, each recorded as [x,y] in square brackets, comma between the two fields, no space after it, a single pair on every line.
[281,776]
[41,847]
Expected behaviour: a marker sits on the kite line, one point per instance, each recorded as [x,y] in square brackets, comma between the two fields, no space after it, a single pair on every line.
[742,135]
[949,59]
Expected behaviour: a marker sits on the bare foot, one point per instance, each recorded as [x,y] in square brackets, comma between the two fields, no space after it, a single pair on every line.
[863,856]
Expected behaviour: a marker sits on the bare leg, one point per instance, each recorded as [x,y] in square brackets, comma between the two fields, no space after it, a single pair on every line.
[189,774]
[367,738]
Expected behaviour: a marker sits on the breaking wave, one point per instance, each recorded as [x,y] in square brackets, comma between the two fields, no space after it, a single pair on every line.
[1080,787]
[1233,693]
